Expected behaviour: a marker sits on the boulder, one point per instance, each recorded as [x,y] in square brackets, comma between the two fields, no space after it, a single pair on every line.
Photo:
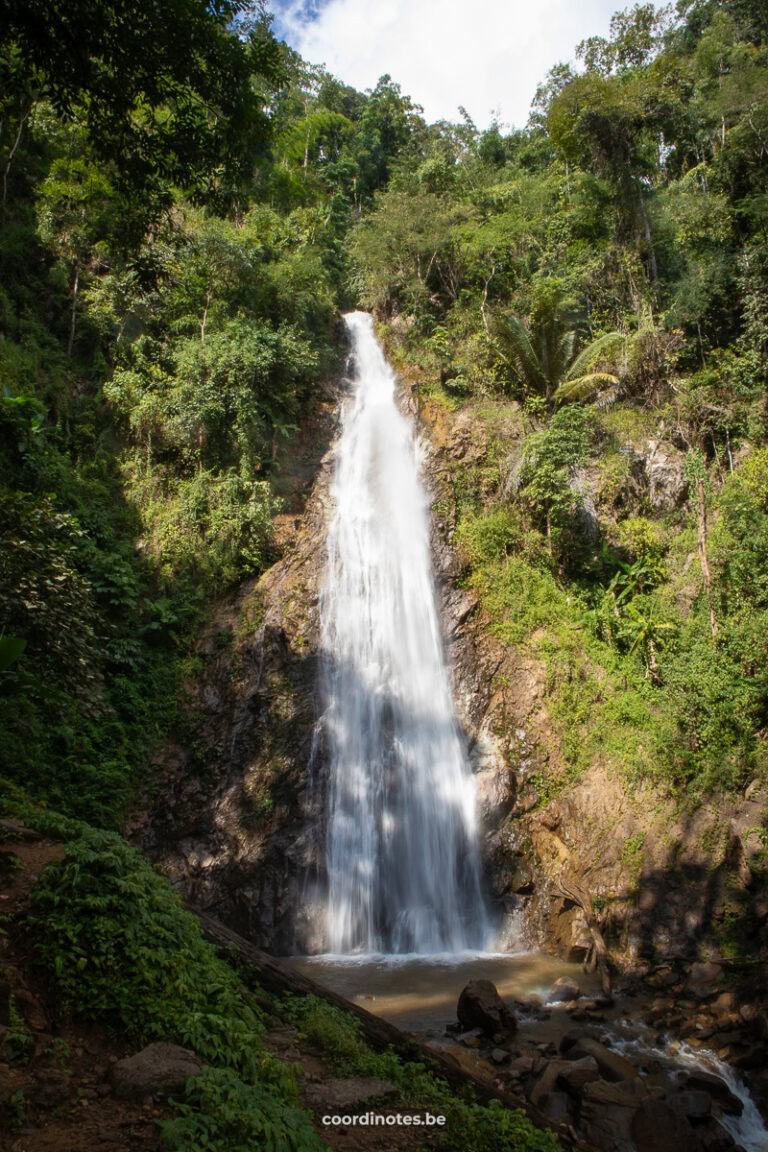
[607,1112]
[158,1070]
[480,1006]
[546,1081]
[714,1137]
[665,470]
[554,1105]
[725,1100]
[335,1095]
[612,1067]
[656,1127]
[577,1073]
[705,972]
[563,989]
[693,1103]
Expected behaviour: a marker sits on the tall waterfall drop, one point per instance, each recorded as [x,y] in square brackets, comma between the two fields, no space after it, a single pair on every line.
[402,848]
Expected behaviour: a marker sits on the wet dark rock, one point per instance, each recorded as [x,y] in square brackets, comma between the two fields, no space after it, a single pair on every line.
[577,1073]
[612,1066]
[656,1127]
[563,989]
[480,1006]
[693,1103]
[554,1105]
[500,1056]
[158,1070]
[718,1090]
[714,1137]
[546,1081]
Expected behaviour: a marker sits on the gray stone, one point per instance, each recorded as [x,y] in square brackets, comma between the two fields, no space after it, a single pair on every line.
[339,1094]
[665,470]
[158,1070]
[576,1074]
[612,1066]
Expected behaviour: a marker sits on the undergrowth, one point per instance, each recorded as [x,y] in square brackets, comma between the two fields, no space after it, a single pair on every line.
[119,949]
[470,1127]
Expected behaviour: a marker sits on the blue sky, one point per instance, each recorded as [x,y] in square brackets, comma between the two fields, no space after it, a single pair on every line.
[488,55]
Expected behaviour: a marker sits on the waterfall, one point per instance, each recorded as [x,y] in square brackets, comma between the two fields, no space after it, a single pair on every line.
[402,844]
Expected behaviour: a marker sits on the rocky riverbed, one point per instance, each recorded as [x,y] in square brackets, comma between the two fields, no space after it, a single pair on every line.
[610,1069]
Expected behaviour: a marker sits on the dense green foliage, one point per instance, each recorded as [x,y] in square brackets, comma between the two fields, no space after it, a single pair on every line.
[186,205]
[172,264]
[119,950]
[603,268]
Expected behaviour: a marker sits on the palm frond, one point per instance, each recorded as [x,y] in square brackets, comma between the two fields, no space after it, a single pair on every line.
[598,349]
[586,387]
[515,341]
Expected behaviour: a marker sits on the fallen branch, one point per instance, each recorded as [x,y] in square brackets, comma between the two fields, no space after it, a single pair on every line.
[598,957]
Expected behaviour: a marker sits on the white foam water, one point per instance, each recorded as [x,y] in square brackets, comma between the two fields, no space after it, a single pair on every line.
[404,873]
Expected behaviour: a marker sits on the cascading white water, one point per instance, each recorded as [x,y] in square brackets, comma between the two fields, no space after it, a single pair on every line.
[402,851]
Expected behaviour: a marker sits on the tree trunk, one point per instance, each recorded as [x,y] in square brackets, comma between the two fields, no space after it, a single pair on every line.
[653,267]
[73,319]
[205,316]
[703,558]
[14,147]
[599,954]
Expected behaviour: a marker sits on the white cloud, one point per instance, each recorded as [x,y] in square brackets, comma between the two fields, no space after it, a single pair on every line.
[488,55]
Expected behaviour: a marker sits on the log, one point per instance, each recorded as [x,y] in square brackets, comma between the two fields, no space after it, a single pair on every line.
[279,979]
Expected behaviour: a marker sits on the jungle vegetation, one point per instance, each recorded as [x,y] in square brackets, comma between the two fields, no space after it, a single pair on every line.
[185,208]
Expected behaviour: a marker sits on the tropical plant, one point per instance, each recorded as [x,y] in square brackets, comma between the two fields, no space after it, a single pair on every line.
[543,355]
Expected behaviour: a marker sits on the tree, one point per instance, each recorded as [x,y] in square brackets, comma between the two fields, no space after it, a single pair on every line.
[552,458]
[543,356]
[75,211]
[162,85]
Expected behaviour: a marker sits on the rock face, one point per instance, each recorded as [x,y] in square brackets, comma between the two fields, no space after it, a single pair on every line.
[158,1070]
[238,825]
[665,469]
[480,1006]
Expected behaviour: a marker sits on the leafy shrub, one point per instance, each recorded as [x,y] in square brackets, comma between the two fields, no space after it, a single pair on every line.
[641,538]
[119,948]
[222,1114]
